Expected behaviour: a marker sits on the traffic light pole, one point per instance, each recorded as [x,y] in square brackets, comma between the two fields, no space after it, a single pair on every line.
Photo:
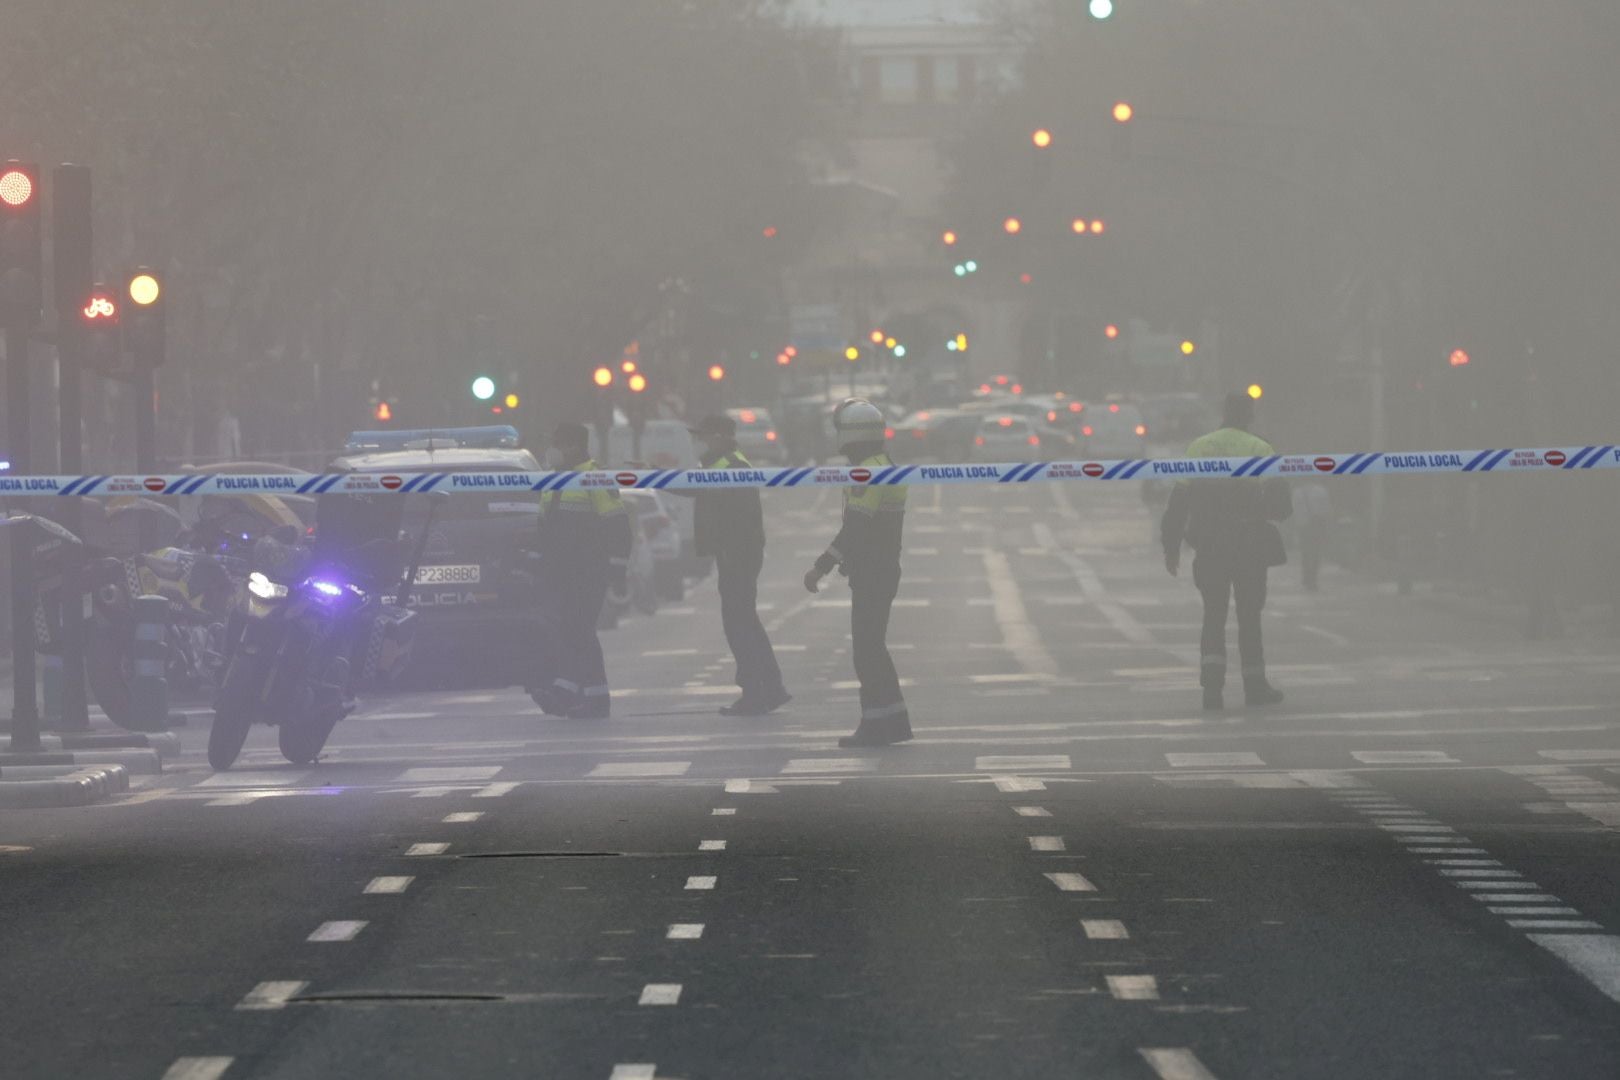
[24,704]
[145,419]
[69,364]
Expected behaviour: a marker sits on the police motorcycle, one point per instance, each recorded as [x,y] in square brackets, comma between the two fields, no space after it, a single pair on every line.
[313,623]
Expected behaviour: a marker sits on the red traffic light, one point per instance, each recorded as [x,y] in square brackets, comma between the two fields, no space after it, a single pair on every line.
[384,412]
[1110,331]
[17,187]
[769,232]
[1459,358]
[100,308]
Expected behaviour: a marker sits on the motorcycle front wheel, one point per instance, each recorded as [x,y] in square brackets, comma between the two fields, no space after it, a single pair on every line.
[235,708]
[303,739]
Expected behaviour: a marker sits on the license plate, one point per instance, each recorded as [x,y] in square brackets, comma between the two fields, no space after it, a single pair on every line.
[447,575]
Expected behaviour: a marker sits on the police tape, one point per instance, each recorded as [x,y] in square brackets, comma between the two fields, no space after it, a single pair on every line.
[1292,466]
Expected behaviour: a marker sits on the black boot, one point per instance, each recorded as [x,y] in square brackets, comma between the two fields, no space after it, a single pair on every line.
[883,731]
[757,706]
[1213,699]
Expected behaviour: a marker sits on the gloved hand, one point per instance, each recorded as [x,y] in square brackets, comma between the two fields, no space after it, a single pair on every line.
[812,579]
[1172,562]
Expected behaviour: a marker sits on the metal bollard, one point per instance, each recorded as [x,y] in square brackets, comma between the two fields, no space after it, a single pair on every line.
[149,689]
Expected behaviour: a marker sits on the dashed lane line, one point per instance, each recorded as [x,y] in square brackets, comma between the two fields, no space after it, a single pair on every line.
[337,930]
[268,996]
[711,845]
[702,882]
[1017,632]
[433,848]
[684,931]
[660,994]
[450,774]
[1071,882]
[622,770]
[1046,843]
[495,791]
[1133,987]
[634,1071]
[388,886]
[1212,760]
[198,1068]
[462,817]
[1175,1062]
[1032,811]
[1104,929]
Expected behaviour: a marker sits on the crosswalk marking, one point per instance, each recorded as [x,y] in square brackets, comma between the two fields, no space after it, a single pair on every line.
[1021,762]
[1071,882]
[640,769]
[447,774]
[1403,757]
[799,766]
[1181,760]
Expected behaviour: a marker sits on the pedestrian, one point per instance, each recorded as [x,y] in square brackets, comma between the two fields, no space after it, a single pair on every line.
[1313,514]
[1230,524]
[730,526]
[867,551]
[584,548]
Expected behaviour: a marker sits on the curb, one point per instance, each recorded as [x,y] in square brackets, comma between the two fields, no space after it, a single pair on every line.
[36,787]
[131,761]
[166,743]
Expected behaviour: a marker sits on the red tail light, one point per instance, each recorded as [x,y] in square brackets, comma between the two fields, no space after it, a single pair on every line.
[1141,429]
[1034,440]
[1086,430]
[770,436]
[978,440]
[1076,406]
[1005,421]
[1113,408]
[1051,416]
[888,433]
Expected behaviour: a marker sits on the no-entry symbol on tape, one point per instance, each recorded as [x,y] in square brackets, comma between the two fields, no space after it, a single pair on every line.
[1555,458]
[626,479]
[153,483]
[1324,464]
[860,476]
[392,483]
[1092,469]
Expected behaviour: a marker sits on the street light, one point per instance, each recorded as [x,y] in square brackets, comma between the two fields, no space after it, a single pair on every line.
[1079,225]
[1101,9]
[1123,112]
[876,337]
[513,401]
[1110,331]
[483,388]
[1041,138]
[628,367]
[716,372]
[638,383]
[1097,227]
[602,377]
[1187,348]
[852,354]
[1257,391]
[1460,358]
[1012,226]
[949,237]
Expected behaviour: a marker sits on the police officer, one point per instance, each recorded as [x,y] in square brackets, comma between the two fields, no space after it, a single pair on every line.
[1229,523]
[867,551]
[584,547]
[731,527]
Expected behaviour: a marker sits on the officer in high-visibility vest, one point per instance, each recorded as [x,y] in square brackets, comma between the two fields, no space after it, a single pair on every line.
[730,525]
[867,551]
[584,547]
[1230,525]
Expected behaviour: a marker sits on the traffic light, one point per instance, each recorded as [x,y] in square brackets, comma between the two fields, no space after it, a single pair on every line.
[852,354]
[1123,112]
[602,377]
[1041,138]
[638,383]
[876,337]
[22,291]
[99,321]
[1257,391]
[383,412]
[513,401]
[949,237]
[142,318]
[1012,226]
[1110,331]
[1188,348]
[483,388]
[716,372]
[1460,358]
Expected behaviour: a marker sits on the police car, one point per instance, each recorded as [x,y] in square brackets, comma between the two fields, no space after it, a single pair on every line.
[475,594]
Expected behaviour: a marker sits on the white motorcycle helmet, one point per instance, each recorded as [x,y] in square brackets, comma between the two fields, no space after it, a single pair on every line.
[858,421]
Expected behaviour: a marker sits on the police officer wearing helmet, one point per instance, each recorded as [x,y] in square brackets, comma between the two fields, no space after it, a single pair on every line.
[867,551]
[584,547]
[730,526]
[1230,525]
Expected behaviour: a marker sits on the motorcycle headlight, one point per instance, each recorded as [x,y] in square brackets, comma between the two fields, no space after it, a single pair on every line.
[264,588]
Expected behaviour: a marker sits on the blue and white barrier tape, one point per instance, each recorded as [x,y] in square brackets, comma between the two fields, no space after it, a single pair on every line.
[1538,460]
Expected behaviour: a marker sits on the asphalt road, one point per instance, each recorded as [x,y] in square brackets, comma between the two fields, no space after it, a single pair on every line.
[1408,869]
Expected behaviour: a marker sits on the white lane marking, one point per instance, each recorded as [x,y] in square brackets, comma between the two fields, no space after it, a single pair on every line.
[1337,639]
[1175,1062]
[198,1068]
[462,817]
[1434,828]
[749,787]
[685,931]
[1021,762]
[448,774]
[1579,755]
[1480,873]
[338,930]
[660,994]
[723,811]
[1046,843]
[1604,813]
[1554,924]
[636,1071]
[640,769]
[711,845]
[1334,781]
[1446,850]
[1534,909]
[855,684]
[427,849]
[1198,761]
[701,881]
[495,791]
[922,551]
[1104,929]
[653,654]
[1463,862]
[242,800]
[1517,898]
[828,765]
[1595,956]
[1527,886]
[1032,811]
[431,792]
[1403,757]
[388,885]
[1006,677]
[790,648]
[1014,784]
[1017,632]
[251,780]
[1071,882]
[270,995]
[1133,987]
[1092,586]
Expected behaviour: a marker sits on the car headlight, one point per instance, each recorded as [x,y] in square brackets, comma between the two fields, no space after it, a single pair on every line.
[264,588]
